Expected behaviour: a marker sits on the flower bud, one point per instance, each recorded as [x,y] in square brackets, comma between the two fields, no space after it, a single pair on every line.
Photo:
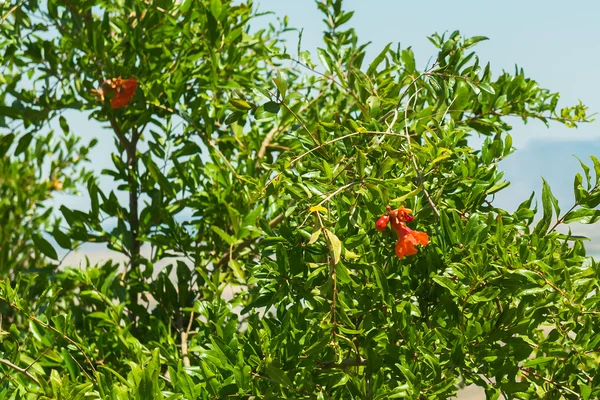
[382,222]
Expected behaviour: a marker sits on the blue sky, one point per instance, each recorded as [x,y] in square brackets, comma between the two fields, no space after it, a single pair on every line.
[555,42]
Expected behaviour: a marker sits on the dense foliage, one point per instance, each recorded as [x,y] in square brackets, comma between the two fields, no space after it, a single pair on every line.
[257,177]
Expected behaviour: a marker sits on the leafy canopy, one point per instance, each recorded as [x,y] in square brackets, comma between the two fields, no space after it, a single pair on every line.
[257,177]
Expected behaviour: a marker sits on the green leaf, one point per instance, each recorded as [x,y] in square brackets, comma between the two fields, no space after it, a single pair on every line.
[343,18]
[408,58]
[580,193]
[448,284]
[529,275]
[378,60]
[586,171]
[596,168]
[233,117]
[325,59]
[507,145]
[158,177]
[79,392]
[272,107]
[63,124]
[548,200]
[447,228]
[487,294]
[229,239]
[23,143]
[446,48]
[44,246]
[538,361]
[374,104]
[582,215]
[407,196]
[5,143]
[342,273]
[585,391]
[382,283]
[185,6]
[238,270]
[216,8]
[408,374]
[486,87]
[281,86]
[361,162]
[497,187]
[213,383]
[63,240]
[187,386]
[469,42]
[277,375]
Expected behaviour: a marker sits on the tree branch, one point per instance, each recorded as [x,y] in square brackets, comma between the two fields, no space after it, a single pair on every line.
[263,147]
[19,369]
[184,339]
[134,222]
[562,218]
[130,148]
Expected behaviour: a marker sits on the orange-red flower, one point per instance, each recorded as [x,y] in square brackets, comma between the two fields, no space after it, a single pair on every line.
[121,89]
[382,222]
[407,238]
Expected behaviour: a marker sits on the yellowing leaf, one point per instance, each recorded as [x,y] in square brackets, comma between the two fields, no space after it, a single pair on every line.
[334,245]
[350,255]
[316,232]
[240,104]
[440,158]
[317,209]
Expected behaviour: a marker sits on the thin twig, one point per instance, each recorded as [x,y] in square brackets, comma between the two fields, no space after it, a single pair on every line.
[209,141]
[264,145]
[10,12]
[391,124]
[550,381]
[315,140]
[134,222]
[296,159]
[326,199]
[331,79]
[53,329]
[237,176]
[19,369]
[414,159]
[184,339]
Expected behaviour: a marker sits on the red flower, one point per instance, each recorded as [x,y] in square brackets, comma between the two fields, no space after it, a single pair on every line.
[122,90]
[382,222]
[407,238]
